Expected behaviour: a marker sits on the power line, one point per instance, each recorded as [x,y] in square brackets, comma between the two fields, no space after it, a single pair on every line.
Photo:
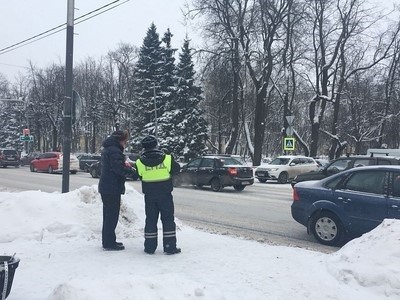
[61,27]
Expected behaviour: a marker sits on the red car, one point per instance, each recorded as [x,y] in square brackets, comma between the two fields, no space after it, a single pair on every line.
[52,162]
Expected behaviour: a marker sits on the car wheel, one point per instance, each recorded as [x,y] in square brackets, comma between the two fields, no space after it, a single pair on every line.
[94,173]
[176,182]
[327,228]
[216,185]
[283,177]
[32,168]
[262,180]
[239,187]
[50,170]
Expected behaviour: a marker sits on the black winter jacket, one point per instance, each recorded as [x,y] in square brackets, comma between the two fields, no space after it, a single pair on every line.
[113,169]
[153,158]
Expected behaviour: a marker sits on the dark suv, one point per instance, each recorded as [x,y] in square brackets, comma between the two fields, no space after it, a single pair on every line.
[345,163]
[9,157]
[217,171]
[86,160]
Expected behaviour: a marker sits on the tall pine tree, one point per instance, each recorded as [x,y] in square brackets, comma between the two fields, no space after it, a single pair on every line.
[148,75]
[183,124]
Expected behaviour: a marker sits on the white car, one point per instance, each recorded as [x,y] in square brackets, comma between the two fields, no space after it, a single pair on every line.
[285,168]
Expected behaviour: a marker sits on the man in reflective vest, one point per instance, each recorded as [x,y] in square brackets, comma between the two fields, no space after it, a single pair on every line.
[155,169]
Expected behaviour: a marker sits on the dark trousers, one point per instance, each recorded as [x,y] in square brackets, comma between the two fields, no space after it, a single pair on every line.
[154,206]
[111,206]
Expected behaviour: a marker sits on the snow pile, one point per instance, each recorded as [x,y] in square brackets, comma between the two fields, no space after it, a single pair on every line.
[371,261]
[58,239]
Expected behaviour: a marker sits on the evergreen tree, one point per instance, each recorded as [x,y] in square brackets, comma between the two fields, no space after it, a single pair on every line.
[184,124]
[169,80]
[148,74]
[11,120]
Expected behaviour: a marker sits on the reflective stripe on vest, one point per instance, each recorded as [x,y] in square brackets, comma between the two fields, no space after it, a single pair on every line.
[157,173]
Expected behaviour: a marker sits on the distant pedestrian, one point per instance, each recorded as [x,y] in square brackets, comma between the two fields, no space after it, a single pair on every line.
[155,168]
[112,185]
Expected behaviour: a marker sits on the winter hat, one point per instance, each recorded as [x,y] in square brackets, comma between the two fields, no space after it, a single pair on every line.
[120,135]
[149,142]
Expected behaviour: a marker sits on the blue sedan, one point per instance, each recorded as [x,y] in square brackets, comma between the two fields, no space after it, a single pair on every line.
[348,204]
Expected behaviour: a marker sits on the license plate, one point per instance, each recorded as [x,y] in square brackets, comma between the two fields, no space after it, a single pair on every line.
[245,182]
[10,158]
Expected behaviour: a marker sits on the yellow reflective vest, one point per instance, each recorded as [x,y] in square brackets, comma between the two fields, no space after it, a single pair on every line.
[157,173]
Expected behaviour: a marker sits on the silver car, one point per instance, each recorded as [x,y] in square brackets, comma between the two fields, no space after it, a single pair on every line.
[285,168]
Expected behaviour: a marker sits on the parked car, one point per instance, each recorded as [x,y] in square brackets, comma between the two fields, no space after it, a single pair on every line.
[284,168]
[26,159]
[217,171]
[9,157]
[95,169]
[85,160]
[345,163]
[52,162]
[347,204]
[321,162]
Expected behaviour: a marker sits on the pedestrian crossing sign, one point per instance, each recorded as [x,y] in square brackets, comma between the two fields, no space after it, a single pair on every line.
[288,144]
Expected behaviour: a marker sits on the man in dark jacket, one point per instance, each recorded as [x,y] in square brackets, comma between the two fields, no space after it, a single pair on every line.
[155,168]
[112,185]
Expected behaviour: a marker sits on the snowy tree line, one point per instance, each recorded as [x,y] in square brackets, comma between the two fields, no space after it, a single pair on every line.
[142,90]
[332,64]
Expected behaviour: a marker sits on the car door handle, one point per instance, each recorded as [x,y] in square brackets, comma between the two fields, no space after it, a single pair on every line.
[344,199]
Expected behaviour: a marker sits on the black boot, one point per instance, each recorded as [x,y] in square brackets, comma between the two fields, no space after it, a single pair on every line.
[115,247]
[172,251]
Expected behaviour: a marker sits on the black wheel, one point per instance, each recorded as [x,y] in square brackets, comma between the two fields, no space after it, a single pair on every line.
[216,185]
[283,177]
[94,173]
[176,182]
[32,168]
[239,187]
[262,180]
[327,228]
[50,170]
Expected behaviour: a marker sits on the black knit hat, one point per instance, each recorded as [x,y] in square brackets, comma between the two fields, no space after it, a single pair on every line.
[120,135]
[149,142]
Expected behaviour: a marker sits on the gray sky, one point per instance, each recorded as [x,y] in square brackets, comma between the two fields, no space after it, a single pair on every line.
[21,19]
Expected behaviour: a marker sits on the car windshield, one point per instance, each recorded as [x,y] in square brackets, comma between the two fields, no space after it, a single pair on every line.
[280,161]
[10,152]
[230,161]
[340,165]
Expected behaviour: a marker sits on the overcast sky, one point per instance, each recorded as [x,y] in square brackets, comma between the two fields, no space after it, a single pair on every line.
[21,19]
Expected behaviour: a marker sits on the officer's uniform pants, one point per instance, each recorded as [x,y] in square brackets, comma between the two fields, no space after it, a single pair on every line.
[111,206]
[155,205]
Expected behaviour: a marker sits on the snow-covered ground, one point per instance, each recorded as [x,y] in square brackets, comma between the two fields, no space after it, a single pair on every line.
[57,238]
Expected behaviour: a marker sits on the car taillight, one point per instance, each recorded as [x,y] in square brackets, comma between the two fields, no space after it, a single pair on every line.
[232,171]
[295,195]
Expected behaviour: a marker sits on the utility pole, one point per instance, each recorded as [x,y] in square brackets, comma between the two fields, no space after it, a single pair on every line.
[68,96]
